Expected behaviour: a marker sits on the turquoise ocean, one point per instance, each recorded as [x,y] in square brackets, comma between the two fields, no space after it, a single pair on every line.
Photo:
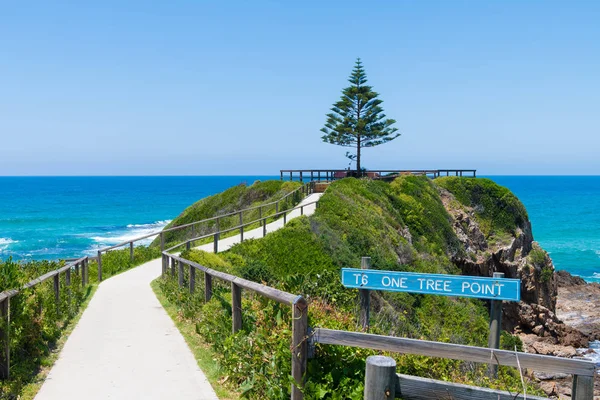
[66,217]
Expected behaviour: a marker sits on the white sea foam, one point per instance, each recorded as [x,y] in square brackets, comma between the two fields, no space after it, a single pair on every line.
[595,356]
[133,231]
[6,242]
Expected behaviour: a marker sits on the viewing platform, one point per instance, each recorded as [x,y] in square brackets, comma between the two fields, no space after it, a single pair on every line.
[333,174]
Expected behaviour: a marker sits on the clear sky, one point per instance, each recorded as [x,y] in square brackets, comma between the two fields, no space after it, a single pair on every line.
[197,87]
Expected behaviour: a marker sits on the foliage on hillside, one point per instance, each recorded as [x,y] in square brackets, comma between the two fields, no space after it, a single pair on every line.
[231,200]
[498,210]
[401,226]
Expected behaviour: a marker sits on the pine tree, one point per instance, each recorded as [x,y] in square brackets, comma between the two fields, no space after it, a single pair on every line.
[357,119]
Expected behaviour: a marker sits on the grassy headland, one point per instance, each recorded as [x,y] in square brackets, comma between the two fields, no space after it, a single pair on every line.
[405,225]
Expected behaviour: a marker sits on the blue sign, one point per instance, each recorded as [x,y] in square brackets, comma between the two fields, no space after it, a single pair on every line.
[446,285]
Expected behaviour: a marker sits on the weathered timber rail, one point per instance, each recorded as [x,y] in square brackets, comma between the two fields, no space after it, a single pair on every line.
[414,388]
[333,174]
[79,266]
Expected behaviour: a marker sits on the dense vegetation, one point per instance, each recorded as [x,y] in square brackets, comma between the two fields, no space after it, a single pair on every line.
[233,199]
[401,226]
[37,322]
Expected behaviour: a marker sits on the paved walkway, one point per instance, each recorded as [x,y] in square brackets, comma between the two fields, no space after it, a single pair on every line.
[127,347]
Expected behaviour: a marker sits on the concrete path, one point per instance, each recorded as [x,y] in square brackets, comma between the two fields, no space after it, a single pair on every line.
[127,347]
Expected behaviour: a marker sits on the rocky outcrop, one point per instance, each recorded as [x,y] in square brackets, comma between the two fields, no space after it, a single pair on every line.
[517,256]
[578,304]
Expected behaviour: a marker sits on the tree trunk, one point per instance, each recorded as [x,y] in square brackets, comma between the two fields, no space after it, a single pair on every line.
[358,157]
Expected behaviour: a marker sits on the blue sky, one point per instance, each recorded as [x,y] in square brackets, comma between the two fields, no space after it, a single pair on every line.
[194,87]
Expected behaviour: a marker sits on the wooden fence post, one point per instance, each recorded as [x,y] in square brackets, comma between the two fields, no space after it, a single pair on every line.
[299,345]
[380,378]
[236,307]
[284,218]
[162,241]
[192,279]
[99,266]
[264,227]
[216,245]
[131,251]
[56,280]
[84,272]
[365,298]
[276,209]
[164,265]
[207,287]
[582,388]
[260,221]
[172,266]
[180,264]
[495,325]
[187,245]
[68,284]
[5,338]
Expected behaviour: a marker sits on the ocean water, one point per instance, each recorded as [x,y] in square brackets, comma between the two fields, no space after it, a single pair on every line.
[67,217]
[565,216]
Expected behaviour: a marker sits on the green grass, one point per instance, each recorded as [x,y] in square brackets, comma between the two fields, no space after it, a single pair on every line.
[498,210]
[203,353]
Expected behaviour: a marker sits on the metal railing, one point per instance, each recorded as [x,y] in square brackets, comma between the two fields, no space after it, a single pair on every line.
[333,174]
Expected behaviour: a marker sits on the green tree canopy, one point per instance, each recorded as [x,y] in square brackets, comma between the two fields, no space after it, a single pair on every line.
[357,119]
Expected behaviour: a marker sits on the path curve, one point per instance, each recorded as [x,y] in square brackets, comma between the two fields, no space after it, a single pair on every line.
[126,346]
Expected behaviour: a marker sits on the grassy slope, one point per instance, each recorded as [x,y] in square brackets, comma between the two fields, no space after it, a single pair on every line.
[402,226]
[232,199]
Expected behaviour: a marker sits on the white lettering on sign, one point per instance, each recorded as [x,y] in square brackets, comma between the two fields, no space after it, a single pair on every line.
[361,279]
[494,289]
[387,281]
[435,285]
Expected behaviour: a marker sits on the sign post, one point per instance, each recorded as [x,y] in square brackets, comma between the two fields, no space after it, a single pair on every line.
[495,325]
[365,298]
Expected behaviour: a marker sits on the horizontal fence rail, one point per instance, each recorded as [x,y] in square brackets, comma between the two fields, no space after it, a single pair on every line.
[332,174]
[583,371]
[299,345]
[216,235]
[81,264]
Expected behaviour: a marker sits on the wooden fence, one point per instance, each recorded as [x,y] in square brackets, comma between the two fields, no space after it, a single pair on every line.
[78,266]
[332,174]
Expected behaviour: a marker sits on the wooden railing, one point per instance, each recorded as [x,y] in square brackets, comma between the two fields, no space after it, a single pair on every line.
[333,174]
[297,303]
[583,371]
[76,266]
